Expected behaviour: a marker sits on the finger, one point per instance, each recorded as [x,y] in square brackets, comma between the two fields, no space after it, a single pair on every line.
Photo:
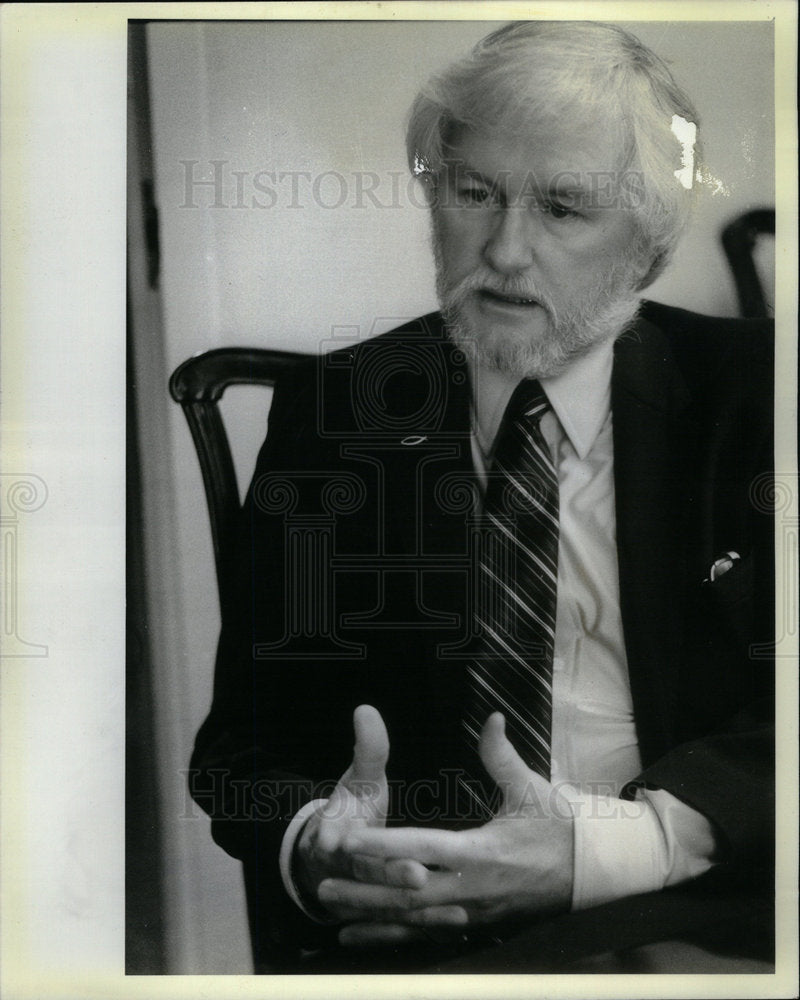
[443,889]
[429,916]
[365,868]
[430,847]
[327,836]
[340,805]
[371,750]
[518,783]
[438,916]
[406,873]
[402,873]
[378,900]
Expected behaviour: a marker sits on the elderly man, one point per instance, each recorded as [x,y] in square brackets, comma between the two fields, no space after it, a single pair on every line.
[514,545]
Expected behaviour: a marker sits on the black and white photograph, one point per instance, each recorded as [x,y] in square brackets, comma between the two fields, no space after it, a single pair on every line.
[484,699]
[446,480]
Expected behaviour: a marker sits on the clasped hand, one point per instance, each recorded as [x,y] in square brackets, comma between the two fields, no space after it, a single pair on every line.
[408,883]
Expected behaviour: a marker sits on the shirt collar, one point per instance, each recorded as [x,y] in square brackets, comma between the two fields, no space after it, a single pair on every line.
[580,397]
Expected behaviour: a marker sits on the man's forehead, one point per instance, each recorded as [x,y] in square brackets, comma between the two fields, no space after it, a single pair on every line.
[546,158]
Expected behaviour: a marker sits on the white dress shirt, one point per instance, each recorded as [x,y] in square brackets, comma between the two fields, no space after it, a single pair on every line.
[621,847]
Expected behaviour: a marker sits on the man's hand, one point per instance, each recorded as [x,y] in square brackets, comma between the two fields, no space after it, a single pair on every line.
[519,863]
[359,802]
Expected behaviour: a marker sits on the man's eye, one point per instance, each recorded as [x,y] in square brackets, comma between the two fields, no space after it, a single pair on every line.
[557,211]
[475,195]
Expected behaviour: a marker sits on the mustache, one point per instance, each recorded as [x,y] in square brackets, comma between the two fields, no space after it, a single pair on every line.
[486,280]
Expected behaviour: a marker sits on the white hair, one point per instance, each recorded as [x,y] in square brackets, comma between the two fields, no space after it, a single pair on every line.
[563,74]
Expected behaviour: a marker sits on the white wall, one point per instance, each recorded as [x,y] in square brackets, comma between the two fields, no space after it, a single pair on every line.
[291,97]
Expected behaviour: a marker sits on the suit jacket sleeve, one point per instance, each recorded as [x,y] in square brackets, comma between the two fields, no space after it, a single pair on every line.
[702,652]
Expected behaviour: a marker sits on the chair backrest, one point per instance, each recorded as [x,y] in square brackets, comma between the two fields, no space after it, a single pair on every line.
[739,241]
[198,385]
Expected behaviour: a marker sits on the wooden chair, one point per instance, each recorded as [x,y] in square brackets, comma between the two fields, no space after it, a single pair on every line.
[198,385]
[739,241]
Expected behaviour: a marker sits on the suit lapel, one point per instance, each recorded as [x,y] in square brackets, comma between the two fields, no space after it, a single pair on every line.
[653,445]
[652,454]
[429,475]
[433,458]
[418,455]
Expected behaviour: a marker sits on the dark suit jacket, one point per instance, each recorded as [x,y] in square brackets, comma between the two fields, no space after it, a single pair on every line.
[354,582]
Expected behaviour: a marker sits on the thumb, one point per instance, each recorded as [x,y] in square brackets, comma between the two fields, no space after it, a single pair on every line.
[371,750]
[518,783]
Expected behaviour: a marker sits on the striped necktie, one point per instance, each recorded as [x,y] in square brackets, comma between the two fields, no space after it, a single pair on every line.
[512,669]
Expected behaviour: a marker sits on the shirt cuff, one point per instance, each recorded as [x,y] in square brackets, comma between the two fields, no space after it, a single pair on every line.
[293,831]
[689,837]
[623,848]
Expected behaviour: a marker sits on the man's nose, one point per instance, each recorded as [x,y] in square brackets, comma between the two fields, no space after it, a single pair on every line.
[509,248]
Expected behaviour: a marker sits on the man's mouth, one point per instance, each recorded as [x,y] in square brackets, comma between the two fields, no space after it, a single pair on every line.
[512,300]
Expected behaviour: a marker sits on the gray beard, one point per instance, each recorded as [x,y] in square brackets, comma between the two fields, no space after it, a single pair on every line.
[605,312]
